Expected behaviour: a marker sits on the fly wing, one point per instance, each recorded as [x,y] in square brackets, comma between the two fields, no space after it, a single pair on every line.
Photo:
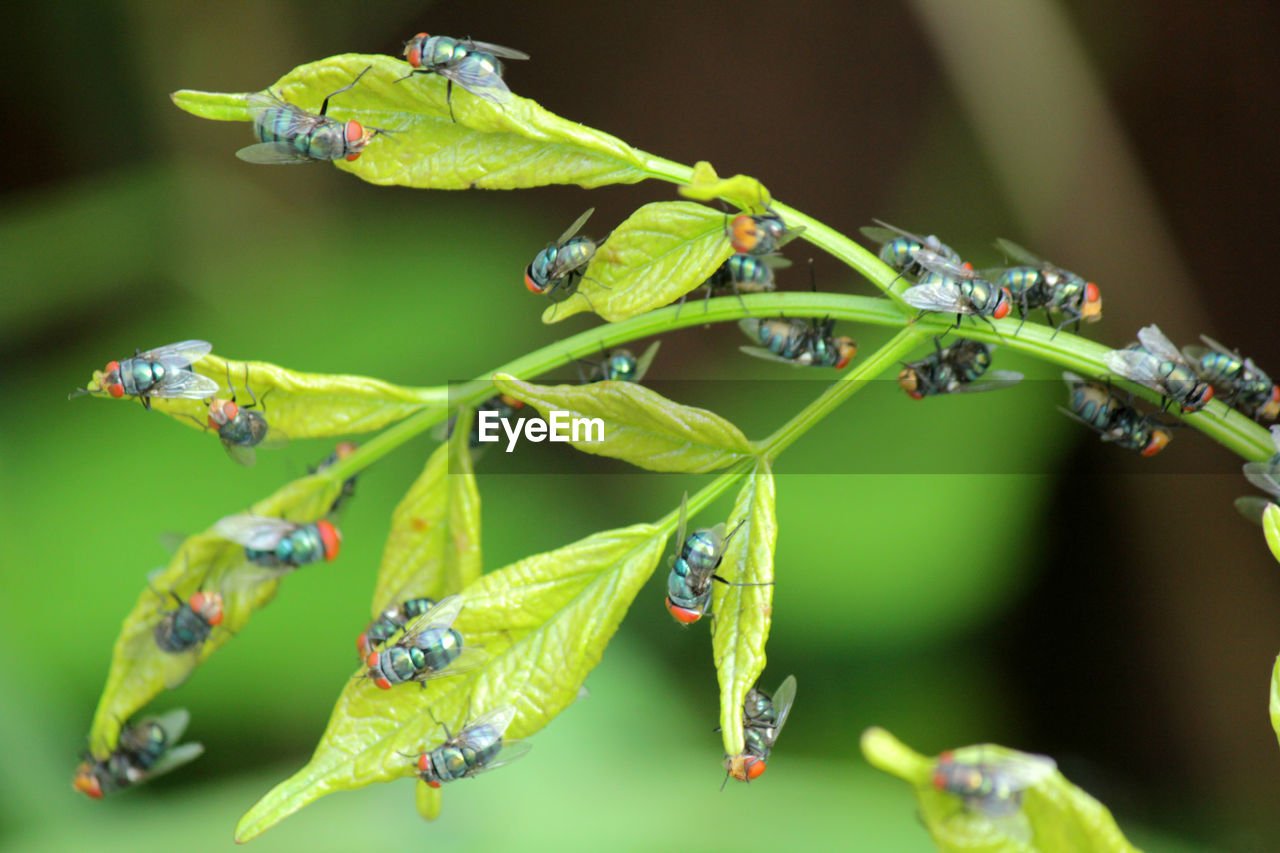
[240,453]
[175,757]
[181,382]
[1217,347]
[892,231]
[646,358]
[1265,476]
[498,720]
[1141,367]
[1014,251]
[181,354]
[576,226]
[1024,769]
[941,264]
[273,154]
[880,235]
[174,723]
[942,296]
[478,78]
[761,352]
[511,750]
[442,616]
[789,235]
[1157,344]
[259,103]
[992,381]
[254,531]
[498,50]
[684,518]
[783,698]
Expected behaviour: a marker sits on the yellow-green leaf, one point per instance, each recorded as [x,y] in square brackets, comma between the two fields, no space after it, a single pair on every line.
[295,404]
[512,146]
[660,253]
[542,624]
[427,800]
[1271,528]
[744,191]
[1275,697]
[743,613]
[1056,816]
[433,549]
[140,670]
[639,426]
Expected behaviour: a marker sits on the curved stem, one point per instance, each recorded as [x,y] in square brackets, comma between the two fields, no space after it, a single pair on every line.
[1083,356]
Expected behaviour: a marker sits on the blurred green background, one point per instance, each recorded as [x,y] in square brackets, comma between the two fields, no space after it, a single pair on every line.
[1026,585]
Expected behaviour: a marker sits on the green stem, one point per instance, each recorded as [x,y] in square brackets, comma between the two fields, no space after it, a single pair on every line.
[1072,352]
[885,358]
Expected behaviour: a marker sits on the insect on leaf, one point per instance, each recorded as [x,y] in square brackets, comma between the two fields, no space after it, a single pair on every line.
[639,426]
[1055,815]
[502,147]
[433,549]
[743,613]
[140,670]
[295,404]
[542,622]
[744,191]
[658,254]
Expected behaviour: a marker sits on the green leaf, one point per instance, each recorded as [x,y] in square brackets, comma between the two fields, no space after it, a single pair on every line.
[1275,697]
[640,426]
[542,622]
[433,549]
[506,147]
[1271,528]
[140,670]
[743,613]
[295,404]
[660,253]
[427,800]
[1056,816]
[744,191]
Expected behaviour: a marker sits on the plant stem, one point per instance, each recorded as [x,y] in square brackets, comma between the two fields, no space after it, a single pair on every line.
[885,358]
[1085,357]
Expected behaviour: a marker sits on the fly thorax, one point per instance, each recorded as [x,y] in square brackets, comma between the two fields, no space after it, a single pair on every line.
[327,141]
[138,376]
[621,367]
[301,547]
[441,50]
[450,762]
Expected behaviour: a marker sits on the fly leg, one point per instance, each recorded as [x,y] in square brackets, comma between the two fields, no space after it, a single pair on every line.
[324,107]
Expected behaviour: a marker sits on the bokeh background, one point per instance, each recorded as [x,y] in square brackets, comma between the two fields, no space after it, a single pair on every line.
[1027,585]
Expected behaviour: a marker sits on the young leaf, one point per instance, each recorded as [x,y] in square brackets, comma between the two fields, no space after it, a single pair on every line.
[433,549]
[139,668]
[1275,697]
[744,191]
[297,405]
[639,425]
[1055,814]
[512,146]
[427,800]
[1271,528]
[660,253]
[542,623]
[743,613]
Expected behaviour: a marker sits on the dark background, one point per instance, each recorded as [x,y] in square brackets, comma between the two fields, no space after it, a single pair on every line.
[1108,610]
